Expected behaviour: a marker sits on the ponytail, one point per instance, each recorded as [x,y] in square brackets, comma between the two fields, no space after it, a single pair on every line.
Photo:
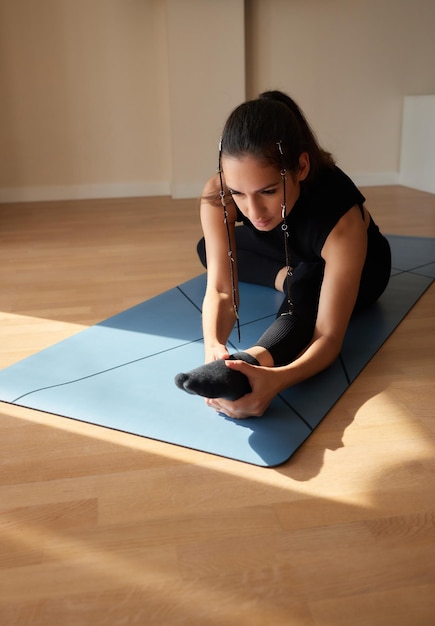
[257,126]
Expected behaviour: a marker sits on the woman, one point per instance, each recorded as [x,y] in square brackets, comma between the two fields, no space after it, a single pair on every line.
[306,231]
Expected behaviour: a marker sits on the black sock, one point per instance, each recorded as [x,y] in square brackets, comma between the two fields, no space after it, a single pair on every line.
[216,380]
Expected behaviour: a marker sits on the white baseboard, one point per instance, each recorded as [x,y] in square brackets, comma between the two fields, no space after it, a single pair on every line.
[129,190]
[83,192]
[361,180]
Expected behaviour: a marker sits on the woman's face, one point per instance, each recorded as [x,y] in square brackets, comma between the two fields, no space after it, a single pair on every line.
[257,189]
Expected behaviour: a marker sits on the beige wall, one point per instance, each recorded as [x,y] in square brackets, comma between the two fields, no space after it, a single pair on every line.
[206,69]
[127,97]
[349,64]
[84,97]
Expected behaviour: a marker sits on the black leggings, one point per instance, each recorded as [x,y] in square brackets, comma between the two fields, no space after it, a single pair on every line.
[259,259]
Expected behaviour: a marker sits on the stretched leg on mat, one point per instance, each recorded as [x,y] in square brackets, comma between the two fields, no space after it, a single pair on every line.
[216,380]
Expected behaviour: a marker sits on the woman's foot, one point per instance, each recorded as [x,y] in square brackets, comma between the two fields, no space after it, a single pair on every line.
[216,380]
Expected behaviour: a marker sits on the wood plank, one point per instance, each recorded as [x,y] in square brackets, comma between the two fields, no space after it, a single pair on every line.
[99,527]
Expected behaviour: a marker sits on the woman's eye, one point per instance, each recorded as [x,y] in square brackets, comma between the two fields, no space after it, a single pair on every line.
[269,192]
[234,193]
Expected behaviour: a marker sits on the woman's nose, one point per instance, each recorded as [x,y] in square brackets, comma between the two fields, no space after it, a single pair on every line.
[254,207]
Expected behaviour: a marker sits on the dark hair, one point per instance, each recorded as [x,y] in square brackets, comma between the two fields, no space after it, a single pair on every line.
[256,126]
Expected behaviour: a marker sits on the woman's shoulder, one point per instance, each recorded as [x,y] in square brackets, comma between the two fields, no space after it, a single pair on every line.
[332,192]
[334,181]
[321,205]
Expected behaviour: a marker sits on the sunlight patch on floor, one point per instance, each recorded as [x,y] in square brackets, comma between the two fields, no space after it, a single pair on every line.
[24,335]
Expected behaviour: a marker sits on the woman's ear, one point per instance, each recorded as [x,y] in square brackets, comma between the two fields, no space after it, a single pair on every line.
[304,166]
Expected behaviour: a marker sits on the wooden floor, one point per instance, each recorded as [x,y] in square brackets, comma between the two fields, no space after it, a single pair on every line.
[99,527]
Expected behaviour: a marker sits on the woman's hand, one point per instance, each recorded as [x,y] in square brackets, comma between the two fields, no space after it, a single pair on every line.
[213,353]
[263,381]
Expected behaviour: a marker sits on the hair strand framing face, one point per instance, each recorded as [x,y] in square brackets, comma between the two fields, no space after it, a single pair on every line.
[284,229]
[230,251]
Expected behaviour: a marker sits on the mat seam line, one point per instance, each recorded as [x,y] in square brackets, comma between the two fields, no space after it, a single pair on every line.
[189,299]
[104,371]
[346,373]
[296,412]
[258,319]
[410,270]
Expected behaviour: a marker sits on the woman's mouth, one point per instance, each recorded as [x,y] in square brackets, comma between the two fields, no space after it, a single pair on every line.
[262,223]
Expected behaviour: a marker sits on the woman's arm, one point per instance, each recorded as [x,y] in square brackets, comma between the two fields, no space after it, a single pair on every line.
[344,253]
[218,316]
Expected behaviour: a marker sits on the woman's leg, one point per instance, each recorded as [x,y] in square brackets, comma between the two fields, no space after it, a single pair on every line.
[377,269]
[216,380]
[258,261]
[285,339]
[289,334]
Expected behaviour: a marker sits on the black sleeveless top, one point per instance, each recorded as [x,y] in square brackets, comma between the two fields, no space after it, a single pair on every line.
[320,206]
[316,212]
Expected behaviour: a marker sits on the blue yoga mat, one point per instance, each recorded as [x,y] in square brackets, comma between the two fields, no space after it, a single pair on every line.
[120,373]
